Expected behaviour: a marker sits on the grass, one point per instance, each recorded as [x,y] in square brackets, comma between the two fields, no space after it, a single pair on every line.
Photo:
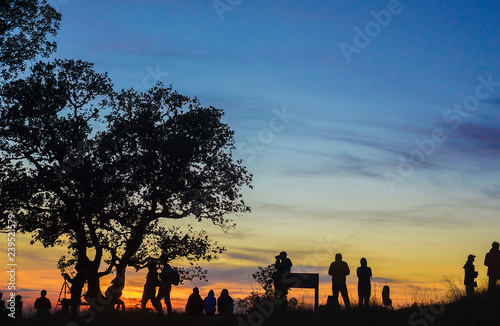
[455,309]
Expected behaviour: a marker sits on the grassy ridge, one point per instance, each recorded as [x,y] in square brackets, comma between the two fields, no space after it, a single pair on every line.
[481,310]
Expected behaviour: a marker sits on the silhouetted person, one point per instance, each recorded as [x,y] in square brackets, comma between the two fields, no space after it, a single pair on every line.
[339,270]
[386,298]
[149,292]
[42,307]
[210,303]
[3,308]
[77,284]
[165,287]
[19,306]
[115,292]
[364,285]
[195,304]
[225,303]
[492,260]
[283,266]
[470,275]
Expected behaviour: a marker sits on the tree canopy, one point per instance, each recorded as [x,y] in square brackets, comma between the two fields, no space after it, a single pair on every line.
[25,30]
[101,170]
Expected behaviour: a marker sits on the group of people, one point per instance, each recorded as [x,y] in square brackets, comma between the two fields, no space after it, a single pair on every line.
[492,261]
[339,270]
[163,281]
[196,305]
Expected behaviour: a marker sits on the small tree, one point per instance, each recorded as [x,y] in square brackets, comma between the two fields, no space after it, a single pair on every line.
[264,277]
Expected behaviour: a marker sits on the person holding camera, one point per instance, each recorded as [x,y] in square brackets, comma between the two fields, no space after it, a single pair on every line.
[470,276]
[283,265]
[77,284]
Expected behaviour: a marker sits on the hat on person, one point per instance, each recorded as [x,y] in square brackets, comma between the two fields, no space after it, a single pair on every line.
[471,256]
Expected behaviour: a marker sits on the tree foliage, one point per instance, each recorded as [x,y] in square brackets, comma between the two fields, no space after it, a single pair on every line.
[98,170]
[174,245]
[25,30]
[264,277]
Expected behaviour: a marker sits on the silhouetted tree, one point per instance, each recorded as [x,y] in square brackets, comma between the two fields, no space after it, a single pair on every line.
[24,33]
[97,170]
[174,245]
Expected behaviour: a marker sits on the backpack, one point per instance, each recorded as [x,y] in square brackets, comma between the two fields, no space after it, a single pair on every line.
[172,277]
[175,278]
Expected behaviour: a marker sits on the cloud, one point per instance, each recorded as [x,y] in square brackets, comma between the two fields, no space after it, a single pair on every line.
[478,138]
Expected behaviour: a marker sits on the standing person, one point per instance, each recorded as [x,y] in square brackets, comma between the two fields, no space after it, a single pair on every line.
[42,307]
[339,270]
[492,260]
[470,275]
[283,266]
[168,276]
[77,284]
[364,285]
[225,303]
[152,282]
[210,303]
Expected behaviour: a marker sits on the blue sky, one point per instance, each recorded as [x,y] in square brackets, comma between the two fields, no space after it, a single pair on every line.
[322,172]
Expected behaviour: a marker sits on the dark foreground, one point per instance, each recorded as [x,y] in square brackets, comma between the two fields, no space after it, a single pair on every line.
[481,310]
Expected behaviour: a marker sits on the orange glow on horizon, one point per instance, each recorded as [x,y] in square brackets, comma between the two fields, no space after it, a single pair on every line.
[37,270]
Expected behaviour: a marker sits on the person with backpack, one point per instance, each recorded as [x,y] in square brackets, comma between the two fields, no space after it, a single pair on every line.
[168,276]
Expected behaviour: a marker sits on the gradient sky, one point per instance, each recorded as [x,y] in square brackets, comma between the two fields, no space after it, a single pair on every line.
[387,152]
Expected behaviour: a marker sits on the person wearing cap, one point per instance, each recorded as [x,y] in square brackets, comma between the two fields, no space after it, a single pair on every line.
[492,260]
[339,270]
[470,276]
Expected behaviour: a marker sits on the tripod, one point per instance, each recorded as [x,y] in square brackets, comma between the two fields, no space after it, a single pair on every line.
[62,299]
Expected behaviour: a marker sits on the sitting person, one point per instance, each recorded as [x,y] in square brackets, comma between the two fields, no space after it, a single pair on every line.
[195,304]
[115,292]
[210,303]
[3,308]
[225,303]
[19,306]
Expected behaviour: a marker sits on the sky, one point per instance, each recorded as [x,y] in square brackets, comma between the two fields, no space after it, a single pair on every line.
[371,128]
